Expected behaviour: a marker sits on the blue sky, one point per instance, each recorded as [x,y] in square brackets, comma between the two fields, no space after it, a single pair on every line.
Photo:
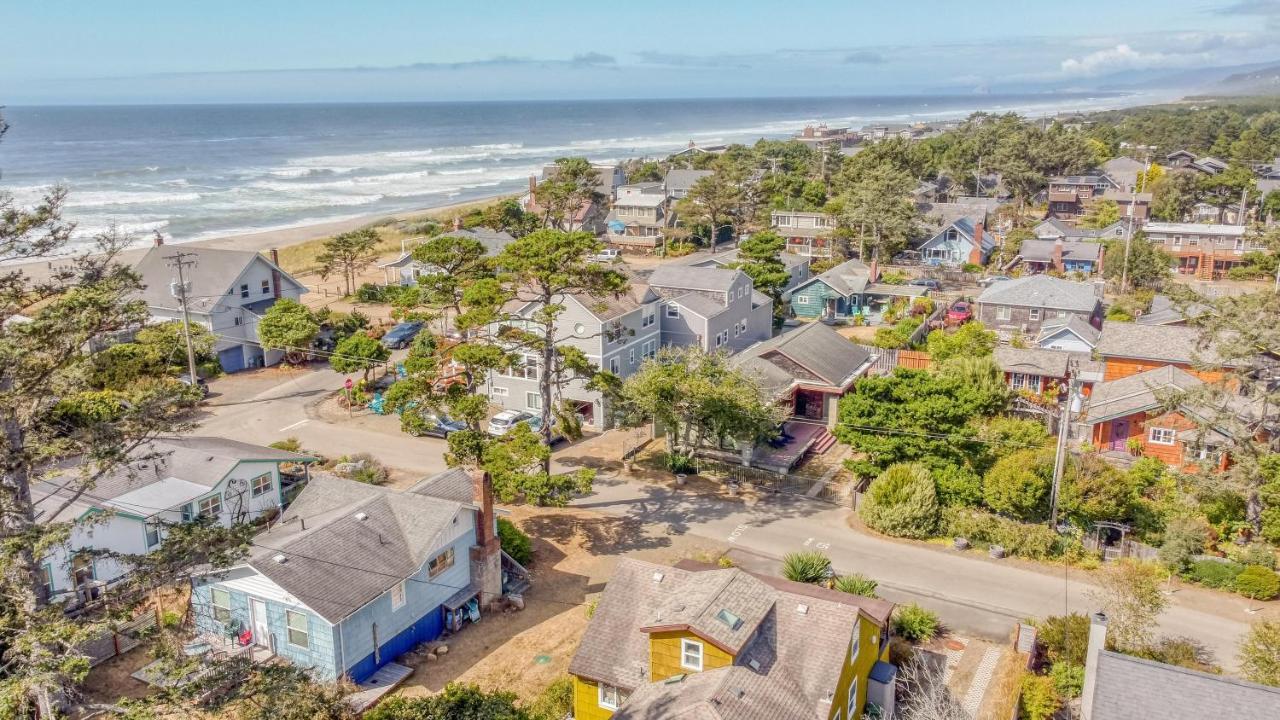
[146,51]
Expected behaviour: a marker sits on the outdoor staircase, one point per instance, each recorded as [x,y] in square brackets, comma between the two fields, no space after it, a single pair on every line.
[823,443]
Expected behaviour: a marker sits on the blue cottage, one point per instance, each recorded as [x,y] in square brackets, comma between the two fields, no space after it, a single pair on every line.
[354,575]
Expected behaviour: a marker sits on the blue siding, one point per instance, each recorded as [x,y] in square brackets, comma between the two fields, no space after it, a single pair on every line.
[319,656]
[427,628]
[231,359]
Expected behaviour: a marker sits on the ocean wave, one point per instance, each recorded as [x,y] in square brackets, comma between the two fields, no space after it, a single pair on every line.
[102,198]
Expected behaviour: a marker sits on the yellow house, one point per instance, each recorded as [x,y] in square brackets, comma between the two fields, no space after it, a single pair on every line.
[726,643]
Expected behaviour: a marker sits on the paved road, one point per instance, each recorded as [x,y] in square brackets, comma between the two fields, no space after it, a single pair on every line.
[970,594]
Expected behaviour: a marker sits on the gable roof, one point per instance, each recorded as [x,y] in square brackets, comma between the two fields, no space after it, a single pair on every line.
[453,484]
[726,693]
[699,304]
[1136,393]
[724,258]
[1074,325]
[213,275]
[1215,229]
[678,180]
[1043,291]
[848,278]
[967,227]
[811,355]
[799,654]
[163,469]
[1042,250]
[1131,688]
[1164,311]
[1032,361]
[338,561]
[687,277]
[1163,343]
[1054,228]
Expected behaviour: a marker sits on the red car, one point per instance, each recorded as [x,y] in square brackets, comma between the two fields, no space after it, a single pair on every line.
[959,313]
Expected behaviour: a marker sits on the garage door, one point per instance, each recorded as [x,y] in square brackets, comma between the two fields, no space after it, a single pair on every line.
[231,359]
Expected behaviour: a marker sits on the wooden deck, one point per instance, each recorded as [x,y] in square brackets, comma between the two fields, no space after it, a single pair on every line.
[378,686]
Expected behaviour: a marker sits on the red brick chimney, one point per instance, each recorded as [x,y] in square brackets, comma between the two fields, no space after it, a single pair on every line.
[275,273]
[1058,264]
[873,271]
[1102,252]
[975,255]
[486,554]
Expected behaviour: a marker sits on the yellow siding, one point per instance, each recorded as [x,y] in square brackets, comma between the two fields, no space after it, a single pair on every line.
[586,701]
[858,666]
[664,654]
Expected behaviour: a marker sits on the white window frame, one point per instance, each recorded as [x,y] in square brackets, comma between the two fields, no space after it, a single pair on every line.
[435,568]
[673,311]
[1002,312]
[398,595]
[498,391]
[266,287]
[150,530]
[631,357]
[216,499]
[615,365]
[853,695]
[533,400]
[1162,436]
[802,299]
[603,690]
[289,629]
[687,645]
[649,350]
[221,613]
[258,490]
[1034,314]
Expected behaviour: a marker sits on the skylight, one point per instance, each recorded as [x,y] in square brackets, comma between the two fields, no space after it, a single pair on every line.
[729,619]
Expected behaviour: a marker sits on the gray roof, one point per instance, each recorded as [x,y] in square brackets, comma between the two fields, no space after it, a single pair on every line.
[608,307]
[1042,291]
[686,277]
[493,240]
[848,278]
[340,562]
[1074,324]
[1164,343]
[1137,393]
[453,484]
[213,275]
[681,180]
[1032,361]
[1055,228]
[700,304]
[811,355]
[203,461]
[1042,250]
[725,258]
[1130,688]
[800,655]
[1164,311]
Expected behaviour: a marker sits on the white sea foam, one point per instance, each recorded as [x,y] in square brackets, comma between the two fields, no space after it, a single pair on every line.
[104,198]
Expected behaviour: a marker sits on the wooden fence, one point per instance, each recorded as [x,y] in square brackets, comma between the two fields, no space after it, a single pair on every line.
[887,359]
[120,639]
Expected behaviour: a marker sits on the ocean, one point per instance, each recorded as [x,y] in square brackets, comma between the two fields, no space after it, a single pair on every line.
[201,171]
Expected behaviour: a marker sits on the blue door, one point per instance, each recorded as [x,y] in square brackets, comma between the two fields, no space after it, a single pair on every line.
[231,359]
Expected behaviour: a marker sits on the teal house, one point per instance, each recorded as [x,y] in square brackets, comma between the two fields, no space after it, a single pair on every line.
[846,291]
[353,575]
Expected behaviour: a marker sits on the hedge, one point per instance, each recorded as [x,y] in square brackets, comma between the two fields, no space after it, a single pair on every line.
[1037,542]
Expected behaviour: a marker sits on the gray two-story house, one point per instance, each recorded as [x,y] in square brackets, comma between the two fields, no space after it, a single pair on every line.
[711,308]
[227,292]
[1023,306]
[640,217]
[797,265]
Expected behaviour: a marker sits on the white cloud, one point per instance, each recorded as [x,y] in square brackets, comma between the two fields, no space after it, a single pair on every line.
[1120,57]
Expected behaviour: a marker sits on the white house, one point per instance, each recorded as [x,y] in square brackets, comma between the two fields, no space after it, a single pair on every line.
[227,292]
[171,480]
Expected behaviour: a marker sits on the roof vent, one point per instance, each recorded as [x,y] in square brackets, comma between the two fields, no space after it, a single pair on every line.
[362,516]
[739,693]
[280,559]
[657,577]
[755,664]
[802,609]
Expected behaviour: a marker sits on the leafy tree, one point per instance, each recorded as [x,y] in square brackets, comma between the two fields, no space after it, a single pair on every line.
[1018,484]
[156,350]
[40,361]
[1149,177]
[1095,490]
[570,186]
[508,216]
[1227,188]
[972,339]
[1260,653]
[808,566]
[902,502]
[1148,265]
[358,352]
[348,254]
[761,260]
[514,542]
[711,203]
[1129,593]
[290,326]
[878,207]
[459,262]
[1102,214]
[1173,195]
[518,464]
[1184,539]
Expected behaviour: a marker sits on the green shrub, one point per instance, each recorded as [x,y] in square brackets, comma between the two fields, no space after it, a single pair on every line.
[1039,698]
[1036,542]
[809,566]
[1253,554]
[1182,652]
[1018,484]
[1184,538]
[857,584]
[370,293]
[514,542]
[902,502]
[1215,573]
[681,464]
[289,444]
[1065,638]
[555,702]
[958,486]
[1068,679]
[915,623]
[1258,583]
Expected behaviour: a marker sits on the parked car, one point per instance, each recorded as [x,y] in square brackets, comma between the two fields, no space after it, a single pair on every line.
[437,426]
[959,313]
[609,255]
[989,281]
[505,421]
[199,382]
[926,282]
[401,335]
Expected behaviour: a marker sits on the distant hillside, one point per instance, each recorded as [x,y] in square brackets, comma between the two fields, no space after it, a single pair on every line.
[1263,81]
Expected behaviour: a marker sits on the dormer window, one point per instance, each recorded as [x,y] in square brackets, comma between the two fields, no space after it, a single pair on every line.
[691,655]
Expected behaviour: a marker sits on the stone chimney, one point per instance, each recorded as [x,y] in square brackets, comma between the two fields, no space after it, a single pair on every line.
[275,273]
[486,554]
[1058,264]
[1097,643]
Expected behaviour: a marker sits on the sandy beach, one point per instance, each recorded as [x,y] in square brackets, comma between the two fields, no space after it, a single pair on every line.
[265,240]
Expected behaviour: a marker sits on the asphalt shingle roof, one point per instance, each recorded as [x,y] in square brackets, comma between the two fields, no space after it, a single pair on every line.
[686,277]
[212,276]
[1130,688]
[1032,361]
[1042,250]
[848,278]
[1165,343]
[814,354]
[678,180]
[1074,323]
[1137,393]
[1043,291]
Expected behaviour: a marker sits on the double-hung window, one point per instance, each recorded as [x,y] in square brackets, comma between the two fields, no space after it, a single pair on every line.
[211,505]
[261,485]
[673,310]
[266,287]
[611,697]
[1161,436]
[440,563]
[397,595]
[1002,312]
[533,400]
[614,365]
[244,290]
[221,601]
[1034,313]
[299,630]
[153,534]
[631,356]
[691,655]
[853,695]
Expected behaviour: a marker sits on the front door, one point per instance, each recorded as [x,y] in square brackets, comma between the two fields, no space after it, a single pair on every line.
[1119,434]
[258,616]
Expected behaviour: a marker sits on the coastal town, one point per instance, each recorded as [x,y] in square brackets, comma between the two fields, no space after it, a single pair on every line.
[962,419]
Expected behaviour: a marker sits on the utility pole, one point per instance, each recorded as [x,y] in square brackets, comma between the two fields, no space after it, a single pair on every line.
[180,261]
[1060,456]
[1128,240]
